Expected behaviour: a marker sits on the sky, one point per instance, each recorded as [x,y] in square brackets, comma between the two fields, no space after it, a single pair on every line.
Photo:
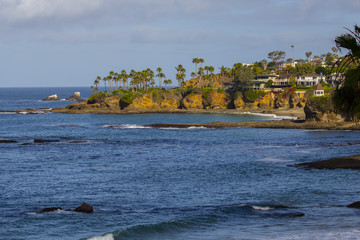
[59,43]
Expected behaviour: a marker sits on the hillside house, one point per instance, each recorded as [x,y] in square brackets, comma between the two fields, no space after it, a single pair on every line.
[258,83]
[319,91]
[308,80]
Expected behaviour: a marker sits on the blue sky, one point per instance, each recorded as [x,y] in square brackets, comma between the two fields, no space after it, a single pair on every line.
[70,42]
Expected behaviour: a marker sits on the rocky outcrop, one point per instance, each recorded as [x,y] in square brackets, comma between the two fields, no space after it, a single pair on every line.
[84,208]
[217,100]
[74,97]
[321,109]
[53,97]
[180,100]
[193,101]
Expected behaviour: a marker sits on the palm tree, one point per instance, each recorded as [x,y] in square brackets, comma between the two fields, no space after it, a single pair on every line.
[124,78]
[308,55]
[201,61]
[97,83]
[104,80]
[196,61]
[160,75]
[292,49]
[211,70]
[181,74]
[200,73]
[346,97]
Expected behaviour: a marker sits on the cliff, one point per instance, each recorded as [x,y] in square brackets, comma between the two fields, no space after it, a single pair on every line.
[178,100]
[321,109]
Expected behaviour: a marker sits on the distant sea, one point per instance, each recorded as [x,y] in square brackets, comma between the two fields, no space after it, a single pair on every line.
[147,183]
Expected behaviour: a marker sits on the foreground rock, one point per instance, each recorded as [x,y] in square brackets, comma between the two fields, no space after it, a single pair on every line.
[84,208]
[52,98]
[351,162]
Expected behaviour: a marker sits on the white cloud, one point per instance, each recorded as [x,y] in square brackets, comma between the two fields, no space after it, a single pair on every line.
[25,10]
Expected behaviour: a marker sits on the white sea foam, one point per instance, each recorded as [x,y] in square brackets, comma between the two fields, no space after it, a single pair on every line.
[108,236]
[7,112]
[201,127]
[272,159]
[267,115]
[126,126]
[261,208]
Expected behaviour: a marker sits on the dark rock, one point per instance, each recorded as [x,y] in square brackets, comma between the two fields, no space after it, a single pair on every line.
[351,162]
[52,98]
[50,209]
[85,208]
[354,205]
[8,141]
[44,141]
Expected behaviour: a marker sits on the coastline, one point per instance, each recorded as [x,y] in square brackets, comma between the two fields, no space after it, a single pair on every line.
[291,113]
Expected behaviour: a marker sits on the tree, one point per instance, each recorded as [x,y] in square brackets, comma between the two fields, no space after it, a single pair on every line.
[277,56]
[181,74]
[97,83]
[124,77]
[346,97]
[292,49]
[200,73]
[305,68]
[308,55]
[196,61]
[243,77]
[160,75]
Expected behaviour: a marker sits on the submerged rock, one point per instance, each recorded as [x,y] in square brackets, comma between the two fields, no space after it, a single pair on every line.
[351,162]
[8,141]
[44,140]
[85,208]
[50,209]
[53,97]
[354,205]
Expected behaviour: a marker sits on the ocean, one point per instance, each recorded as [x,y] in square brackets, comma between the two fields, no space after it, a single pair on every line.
[150,183]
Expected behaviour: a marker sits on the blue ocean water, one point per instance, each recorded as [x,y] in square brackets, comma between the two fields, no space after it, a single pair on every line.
[147,183]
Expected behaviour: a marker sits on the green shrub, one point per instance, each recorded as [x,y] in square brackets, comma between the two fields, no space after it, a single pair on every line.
[323,103]
[97,97]
[250,95]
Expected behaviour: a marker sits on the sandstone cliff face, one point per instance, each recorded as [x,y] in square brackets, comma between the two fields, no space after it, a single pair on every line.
[193,101]
[217,100]
[144,102]
[169,101]
[321,109]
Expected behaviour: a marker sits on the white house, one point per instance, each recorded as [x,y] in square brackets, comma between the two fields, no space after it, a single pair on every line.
[308,80]
[319,91]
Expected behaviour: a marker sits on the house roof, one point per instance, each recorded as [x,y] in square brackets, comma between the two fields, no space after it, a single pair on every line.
[318,87]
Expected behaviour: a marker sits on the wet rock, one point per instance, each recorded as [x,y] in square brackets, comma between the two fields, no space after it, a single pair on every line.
[44,140]
[53,97]
[8,141]
[50,209]
[354,205]
[351,162]
[85,208]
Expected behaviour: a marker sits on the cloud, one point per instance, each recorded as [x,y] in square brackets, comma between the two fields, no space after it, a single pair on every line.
[27,10]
